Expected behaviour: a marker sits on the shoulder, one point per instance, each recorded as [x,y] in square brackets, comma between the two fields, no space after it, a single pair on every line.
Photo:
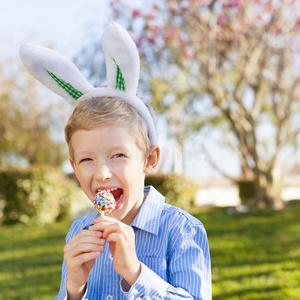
[183,231]
[176,219]
[179,215]
[79,224]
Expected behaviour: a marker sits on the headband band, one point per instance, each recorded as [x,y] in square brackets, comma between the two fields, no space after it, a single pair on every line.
[122,70]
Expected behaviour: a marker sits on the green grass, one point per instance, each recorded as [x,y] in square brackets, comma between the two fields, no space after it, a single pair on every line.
[30,261]
[254,255]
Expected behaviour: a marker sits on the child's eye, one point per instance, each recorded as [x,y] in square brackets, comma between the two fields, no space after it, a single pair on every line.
[118,155]
[85,159]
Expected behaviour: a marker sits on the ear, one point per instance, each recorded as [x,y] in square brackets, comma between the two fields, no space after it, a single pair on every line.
[152,159]
[73,166]
[55,71]
[122,59]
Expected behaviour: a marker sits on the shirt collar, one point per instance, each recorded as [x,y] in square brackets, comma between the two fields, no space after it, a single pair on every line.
[148,217]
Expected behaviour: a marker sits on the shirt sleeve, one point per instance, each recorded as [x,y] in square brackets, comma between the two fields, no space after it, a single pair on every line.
[188,267]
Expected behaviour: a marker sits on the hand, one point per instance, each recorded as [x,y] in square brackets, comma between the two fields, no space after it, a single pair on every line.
[80,254]
[121,240]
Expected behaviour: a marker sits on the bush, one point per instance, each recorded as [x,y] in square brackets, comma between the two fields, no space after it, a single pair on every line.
[34,195]
[246,191]
[178,190]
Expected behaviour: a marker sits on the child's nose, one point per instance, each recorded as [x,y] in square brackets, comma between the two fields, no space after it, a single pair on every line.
[102,172]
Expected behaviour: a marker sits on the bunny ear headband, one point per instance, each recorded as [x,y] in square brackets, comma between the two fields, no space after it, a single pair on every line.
[64,78]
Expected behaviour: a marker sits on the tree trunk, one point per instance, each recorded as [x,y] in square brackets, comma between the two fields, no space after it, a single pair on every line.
[267,192]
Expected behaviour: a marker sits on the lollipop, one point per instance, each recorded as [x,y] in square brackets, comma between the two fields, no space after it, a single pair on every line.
[104,202]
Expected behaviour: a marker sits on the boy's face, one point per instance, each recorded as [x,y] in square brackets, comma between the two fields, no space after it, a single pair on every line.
[107,157]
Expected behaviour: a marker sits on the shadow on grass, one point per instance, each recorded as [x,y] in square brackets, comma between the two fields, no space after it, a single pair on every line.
[246,294]
[257,252]
[31,259]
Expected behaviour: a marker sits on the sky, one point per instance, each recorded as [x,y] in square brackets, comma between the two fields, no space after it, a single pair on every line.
[64,25]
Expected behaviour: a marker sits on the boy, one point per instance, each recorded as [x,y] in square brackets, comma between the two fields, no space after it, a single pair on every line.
[145,249]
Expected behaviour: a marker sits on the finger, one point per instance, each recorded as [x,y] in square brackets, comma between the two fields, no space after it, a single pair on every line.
[104,219]
[83,248]
[89,232]
[87,226]
[102,225]
[84,240]
[84,233]
[116,238]
[84,244]
[82,258]
[119,227]
[74,258]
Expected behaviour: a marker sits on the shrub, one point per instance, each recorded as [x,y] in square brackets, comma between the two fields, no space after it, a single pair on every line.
[39,194]
[177,189]
[246,191]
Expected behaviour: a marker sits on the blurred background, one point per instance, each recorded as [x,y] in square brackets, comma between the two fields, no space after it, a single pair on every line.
[223,78]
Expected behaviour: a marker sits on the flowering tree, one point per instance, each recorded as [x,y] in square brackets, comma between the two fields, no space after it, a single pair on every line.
[239,56]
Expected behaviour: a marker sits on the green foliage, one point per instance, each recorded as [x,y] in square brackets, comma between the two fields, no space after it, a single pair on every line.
[34,195]
[246,190]
[177,189]
[27,123]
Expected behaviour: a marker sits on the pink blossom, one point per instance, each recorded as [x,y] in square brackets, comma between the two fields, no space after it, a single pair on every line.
[221,20]
[134,36]
[151,39]
[201,38]
[188,53]
[230,4]
[136,13]
[173,6]
[151,26]
[152,14]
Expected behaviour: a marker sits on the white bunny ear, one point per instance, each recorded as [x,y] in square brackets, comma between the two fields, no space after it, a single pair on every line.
[122,59]
[55,71]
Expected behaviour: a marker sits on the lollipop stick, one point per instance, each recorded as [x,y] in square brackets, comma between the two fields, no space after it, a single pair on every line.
[102,213]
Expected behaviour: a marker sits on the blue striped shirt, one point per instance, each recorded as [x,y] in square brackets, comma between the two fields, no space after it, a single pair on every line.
[172,247]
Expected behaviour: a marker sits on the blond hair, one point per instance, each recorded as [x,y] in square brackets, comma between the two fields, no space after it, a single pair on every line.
[95,112]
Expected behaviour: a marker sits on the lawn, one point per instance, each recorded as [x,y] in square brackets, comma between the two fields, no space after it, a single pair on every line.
[255,255]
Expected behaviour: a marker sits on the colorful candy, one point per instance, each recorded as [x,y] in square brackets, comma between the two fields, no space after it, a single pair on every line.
[104,202]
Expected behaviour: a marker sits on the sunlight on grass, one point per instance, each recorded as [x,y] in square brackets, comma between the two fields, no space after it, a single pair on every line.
[30,260]
[254,255]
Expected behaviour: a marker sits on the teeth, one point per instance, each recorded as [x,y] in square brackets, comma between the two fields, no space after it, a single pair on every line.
[109,190]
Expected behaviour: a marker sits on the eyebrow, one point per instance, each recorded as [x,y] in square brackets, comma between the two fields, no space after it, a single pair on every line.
[112,149]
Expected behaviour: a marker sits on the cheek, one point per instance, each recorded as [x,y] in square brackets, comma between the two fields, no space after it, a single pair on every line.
[84,173]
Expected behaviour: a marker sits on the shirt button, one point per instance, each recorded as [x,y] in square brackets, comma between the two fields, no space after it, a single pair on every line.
[109,297]
[111,257]
[138,298]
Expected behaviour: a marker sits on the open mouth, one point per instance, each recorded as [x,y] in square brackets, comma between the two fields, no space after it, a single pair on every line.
[116,192]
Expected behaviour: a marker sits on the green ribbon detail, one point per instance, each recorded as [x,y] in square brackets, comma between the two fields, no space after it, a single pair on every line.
[120,82]
[67,87]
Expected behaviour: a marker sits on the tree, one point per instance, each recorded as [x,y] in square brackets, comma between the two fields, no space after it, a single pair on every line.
[242,56]
[27,124]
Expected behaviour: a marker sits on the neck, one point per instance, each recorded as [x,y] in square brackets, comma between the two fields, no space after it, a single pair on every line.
[128,219]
